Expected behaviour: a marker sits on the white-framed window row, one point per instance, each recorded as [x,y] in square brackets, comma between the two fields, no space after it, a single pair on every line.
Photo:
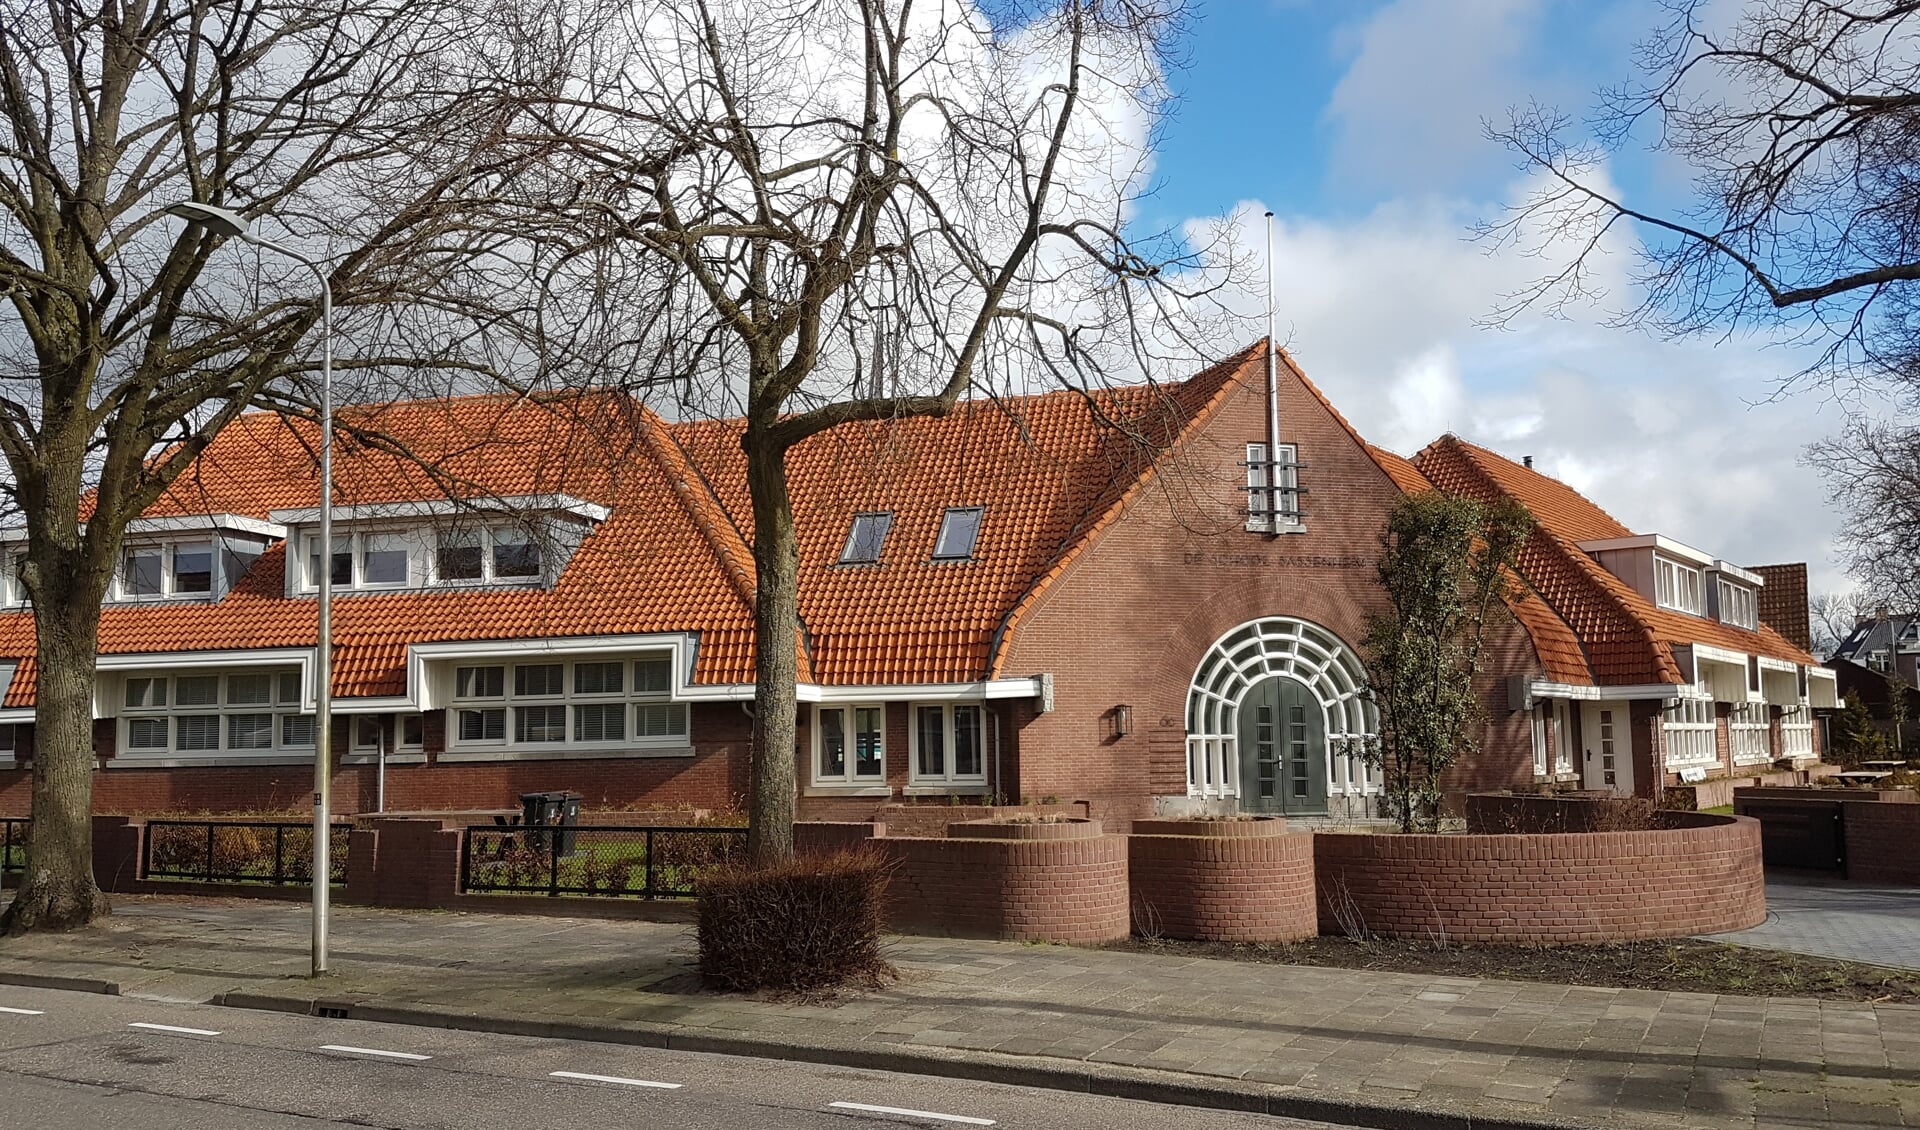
[237,715]
[376,558]
[1750,733]
[404,736]
[1688,727]
[947,745]
[1796,732]
[589,707]
[850,746]
[1738,605]
[1677,586]
[1273,489]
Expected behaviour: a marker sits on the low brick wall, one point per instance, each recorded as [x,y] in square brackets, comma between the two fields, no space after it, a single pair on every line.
[1701,876]
[1883,843]
[1224,881]
[1502,813]
[931,820]
[1069,888]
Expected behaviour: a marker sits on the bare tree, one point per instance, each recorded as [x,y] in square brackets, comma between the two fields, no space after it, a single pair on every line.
[1873,473]
[357,130]
[1800,120]
[1833,616]
[829,211]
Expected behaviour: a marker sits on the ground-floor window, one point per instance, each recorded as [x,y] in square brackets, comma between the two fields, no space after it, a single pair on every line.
[239,713]
[1688,726]
[949,743]
[1796,732]
[1750,733]
[849,744]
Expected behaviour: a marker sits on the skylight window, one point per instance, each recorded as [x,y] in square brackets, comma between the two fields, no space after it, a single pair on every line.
[865,540]
[959,529]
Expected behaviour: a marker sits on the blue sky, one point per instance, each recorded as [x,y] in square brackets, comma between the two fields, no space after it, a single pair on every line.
[1359,125]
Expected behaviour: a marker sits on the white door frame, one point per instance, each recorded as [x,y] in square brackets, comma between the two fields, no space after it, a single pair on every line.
[1606,747]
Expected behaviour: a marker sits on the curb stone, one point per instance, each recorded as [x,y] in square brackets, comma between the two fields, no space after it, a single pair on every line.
[70,984]
[1107,1081]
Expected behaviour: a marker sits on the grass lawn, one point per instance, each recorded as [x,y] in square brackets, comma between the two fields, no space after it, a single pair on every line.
[1674,965]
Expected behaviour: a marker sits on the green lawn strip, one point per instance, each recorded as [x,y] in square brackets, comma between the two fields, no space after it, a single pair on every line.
[1672,965]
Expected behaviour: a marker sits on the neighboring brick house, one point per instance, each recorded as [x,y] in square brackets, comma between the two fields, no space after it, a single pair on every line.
[1122,598]
[1676,676]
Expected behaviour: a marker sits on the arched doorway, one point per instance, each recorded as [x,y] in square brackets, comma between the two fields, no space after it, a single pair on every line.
[1275,718]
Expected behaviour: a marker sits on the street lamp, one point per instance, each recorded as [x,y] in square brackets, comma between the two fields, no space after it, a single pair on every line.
[228,223]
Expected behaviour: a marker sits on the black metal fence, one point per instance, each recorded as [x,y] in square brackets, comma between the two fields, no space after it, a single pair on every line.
[13,844]
[631,861]
[247,851]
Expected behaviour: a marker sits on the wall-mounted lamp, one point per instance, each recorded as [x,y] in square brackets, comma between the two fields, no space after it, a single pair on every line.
[1121,720]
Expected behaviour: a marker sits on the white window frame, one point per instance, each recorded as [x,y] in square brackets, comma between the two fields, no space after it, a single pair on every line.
[121,590]
[847,777]
[1563,762]
[13,591]
[1796,732]
[1739,605]
[1550,722]
[280,706]
[947,778]
[636,705]
[422,546]
[1689,733]
[1678,586]
[1541,720]
[1750,733]
[1259,498]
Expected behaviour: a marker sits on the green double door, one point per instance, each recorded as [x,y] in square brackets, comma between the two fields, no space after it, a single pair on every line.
[1283,749]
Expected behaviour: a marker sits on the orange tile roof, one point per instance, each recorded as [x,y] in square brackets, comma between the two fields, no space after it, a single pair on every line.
[1627,640]
[674,553]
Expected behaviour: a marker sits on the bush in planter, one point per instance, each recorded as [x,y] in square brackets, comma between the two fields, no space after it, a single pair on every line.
[808,924]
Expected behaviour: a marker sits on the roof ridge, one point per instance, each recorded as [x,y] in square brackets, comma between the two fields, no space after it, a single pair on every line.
[700,505]
[1590,572]
[1071,552]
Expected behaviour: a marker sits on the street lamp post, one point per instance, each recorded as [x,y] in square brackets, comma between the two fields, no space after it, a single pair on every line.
[225,222]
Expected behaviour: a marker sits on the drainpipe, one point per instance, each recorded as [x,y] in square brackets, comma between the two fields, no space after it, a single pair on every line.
[1273,400]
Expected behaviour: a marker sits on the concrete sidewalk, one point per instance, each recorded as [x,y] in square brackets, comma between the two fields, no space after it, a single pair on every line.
[1378,1049]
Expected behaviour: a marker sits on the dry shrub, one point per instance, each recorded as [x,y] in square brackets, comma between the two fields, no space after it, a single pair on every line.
[1035,818]
[808,925]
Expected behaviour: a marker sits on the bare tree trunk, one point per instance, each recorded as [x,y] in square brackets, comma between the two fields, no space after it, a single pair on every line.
[776,613]
[58,891]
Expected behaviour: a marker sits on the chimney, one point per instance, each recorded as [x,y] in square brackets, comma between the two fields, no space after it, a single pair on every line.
[1527,462]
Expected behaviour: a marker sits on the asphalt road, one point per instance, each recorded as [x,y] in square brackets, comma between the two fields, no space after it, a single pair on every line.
[85,1061]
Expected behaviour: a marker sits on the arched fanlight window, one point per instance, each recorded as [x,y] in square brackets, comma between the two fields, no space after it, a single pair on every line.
[1259,650]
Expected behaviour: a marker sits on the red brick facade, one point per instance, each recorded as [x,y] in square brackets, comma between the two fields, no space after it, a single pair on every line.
[1701,878]
[1883,843]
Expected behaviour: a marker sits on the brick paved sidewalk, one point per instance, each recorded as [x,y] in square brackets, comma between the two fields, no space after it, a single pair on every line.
[1379,1041]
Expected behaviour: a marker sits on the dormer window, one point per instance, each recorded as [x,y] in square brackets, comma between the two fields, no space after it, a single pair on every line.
[1677,586]
[959,529]
[1738,606]
[169,569]
[866,539]
[392,558]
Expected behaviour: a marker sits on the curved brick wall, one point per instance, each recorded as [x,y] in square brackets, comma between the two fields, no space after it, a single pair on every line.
[1056,890]
[1074,829]
[1236,881]
[1700,877]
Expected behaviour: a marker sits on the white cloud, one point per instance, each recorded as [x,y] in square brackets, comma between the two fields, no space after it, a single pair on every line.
[1381,311]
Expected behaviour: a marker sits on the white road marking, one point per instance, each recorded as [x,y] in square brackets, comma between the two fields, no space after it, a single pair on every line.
[961,1118]
[174,1028]
[371,1051]
[21,1011]
[613,1079]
